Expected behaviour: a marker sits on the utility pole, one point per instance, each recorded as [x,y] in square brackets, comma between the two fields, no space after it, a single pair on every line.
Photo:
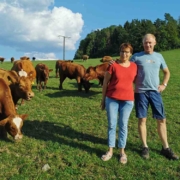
[64,39]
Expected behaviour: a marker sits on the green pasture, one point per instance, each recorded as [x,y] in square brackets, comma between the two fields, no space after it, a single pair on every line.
[68,131]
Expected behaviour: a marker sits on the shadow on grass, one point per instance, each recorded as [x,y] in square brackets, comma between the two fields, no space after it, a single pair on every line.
[68,93]
[63,134]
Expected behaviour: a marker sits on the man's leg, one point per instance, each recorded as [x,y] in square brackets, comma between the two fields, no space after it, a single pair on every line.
[142,131]
[162,131]
[143,136]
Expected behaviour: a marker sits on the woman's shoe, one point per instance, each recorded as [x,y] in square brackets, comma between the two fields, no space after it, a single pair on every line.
[106,156]
[123,159]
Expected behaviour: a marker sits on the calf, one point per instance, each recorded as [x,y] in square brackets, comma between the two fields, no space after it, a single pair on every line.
[42,75]
[85,57]
[2,59]
[10,121]
[73,71]
[96,72]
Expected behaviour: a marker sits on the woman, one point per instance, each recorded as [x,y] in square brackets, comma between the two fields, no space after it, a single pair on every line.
[118,98]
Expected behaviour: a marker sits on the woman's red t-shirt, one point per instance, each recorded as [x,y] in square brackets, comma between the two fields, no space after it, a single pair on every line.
[121,83]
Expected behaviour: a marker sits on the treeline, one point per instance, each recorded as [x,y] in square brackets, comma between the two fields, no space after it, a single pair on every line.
[107,41]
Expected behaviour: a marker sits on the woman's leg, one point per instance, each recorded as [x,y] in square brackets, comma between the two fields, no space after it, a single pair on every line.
[125,108]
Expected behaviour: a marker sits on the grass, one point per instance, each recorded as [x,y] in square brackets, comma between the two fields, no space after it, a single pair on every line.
[68,131]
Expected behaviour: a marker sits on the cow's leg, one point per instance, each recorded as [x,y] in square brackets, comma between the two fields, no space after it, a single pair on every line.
[57,72]
[79,83]
[37,82]
[101,81]
[62,78]
[45,82]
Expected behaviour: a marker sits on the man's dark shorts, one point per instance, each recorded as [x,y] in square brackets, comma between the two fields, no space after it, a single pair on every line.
[152,98]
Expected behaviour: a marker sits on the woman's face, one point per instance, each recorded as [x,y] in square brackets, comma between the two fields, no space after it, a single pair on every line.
[125,54]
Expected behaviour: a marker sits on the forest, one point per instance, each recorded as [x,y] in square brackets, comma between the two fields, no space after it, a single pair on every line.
[107,41]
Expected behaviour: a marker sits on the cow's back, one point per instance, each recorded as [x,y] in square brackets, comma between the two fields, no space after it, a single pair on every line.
[71,70]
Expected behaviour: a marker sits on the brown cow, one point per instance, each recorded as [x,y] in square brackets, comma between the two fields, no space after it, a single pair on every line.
[12,59]
[73,71]
[96,72]
[85,57]
[42,75]
[10,121]
[106,59]
[57,66]
[2,59]
[20,86]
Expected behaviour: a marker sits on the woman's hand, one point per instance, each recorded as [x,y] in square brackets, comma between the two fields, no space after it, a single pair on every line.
[102,105]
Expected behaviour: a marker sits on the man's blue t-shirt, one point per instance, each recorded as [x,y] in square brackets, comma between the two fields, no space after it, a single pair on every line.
[148,70]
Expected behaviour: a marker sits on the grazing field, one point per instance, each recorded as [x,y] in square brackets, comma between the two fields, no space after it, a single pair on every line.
[68,131]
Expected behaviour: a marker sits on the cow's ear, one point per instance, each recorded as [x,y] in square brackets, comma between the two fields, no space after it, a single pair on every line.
[4,121]
[23,116]
[30,73]
[10,79]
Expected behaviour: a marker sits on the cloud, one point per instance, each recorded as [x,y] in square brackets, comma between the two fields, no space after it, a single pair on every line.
[42,56]
[34,25]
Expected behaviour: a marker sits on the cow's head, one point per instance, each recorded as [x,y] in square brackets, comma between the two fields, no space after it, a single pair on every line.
[13,125]
[90,73]
[45,72]
[23,88]
[86,85]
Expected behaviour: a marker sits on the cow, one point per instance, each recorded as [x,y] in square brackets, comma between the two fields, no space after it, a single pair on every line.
[85,57]
[73,71]
[10,121]
[12,59]
[42,75]
[2,59]
[96,72]
[27,66]
[106,59]
[21,87]
[57,66]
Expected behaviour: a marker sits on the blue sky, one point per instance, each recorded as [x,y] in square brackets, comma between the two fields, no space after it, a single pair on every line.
[31,27]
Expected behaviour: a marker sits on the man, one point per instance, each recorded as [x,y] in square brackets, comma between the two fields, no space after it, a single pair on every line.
[147,91]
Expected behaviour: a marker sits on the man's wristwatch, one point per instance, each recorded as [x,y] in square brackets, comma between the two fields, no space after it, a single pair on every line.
[165,84]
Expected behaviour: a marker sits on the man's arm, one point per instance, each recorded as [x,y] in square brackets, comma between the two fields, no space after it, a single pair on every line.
[165,80]
[166,76]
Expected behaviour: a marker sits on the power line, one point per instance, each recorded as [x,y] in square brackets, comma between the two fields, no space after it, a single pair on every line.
[64,39]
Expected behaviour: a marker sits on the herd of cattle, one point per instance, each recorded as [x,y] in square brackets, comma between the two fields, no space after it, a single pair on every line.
[16,84]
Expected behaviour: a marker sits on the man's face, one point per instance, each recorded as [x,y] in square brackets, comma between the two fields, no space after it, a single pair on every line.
[148,43]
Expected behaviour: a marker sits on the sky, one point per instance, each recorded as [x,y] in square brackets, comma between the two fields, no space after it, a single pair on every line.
[41,28]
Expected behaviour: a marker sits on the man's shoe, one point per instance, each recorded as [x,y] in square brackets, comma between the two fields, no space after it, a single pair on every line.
[168,153]
[145,152]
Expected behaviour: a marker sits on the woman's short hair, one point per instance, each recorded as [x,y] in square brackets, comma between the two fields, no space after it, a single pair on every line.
[126,45]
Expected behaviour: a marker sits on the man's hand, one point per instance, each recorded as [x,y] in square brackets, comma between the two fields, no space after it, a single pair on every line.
[111,62]
[161,88]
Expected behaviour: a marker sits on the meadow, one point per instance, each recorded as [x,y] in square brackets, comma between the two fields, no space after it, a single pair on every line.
[67,130]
